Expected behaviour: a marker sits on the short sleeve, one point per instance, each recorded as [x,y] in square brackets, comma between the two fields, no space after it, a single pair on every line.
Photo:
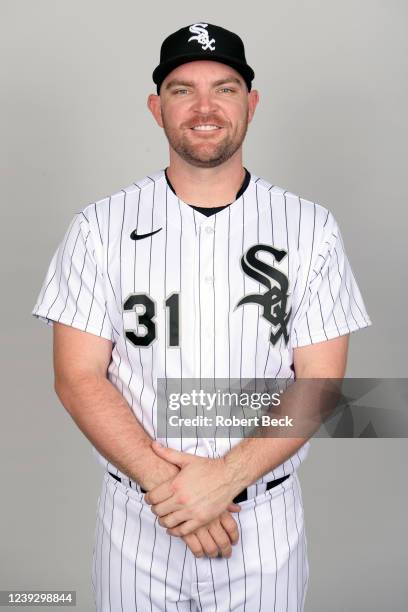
[332,304]
[73,289]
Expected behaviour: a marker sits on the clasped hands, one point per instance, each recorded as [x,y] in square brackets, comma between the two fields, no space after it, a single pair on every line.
[196,503]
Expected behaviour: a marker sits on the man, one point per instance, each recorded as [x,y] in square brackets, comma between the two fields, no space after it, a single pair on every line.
[199,271]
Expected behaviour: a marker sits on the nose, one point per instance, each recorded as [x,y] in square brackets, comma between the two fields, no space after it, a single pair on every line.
[204,102]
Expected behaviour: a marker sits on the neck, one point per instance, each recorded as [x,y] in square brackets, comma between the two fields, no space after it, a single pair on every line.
[206,187]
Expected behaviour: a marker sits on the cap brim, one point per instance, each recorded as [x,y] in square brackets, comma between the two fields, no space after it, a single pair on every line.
[162,70]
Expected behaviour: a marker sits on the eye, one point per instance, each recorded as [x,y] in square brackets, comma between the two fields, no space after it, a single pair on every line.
[178,91]
[227,89]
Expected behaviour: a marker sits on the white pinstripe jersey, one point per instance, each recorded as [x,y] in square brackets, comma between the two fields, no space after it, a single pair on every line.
[281,252]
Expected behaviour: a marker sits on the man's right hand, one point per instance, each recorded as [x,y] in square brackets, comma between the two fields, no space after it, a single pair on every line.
[218,536]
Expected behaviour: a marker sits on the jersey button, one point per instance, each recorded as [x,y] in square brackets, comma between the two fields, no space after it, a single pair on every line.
[209,279]
[209,229]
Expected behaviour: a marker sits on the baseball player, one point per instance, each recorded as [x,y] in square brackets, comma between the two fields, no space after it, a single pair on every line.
[201,270]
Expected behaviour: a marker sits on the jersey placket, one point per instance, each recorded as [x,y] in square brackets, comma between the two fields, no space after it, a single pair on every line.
[205,323]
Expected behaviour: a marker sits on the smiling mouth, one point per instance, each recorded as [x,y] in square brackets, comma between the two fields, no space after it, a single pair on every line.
[205,128]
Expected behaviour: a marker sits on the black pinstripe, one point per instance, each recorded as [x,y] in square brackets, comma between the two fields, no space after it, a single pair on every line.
[152,346]
[121,293]
[274,549]
[259,284]
[199,312]
[180,291]
[151,564]
[69,275]
[80,284]
[290,552]
[182,571]
[243,559]
[229,314]
[165,318]
[121,552]
[242,309]
[103,533]
[119,305]
[214,319]
[310,259]
[213,585]
[198,590]
[110,548]
[345,286]
[340,300]
[140,523]
[68,233]
[166,574]
[259,555]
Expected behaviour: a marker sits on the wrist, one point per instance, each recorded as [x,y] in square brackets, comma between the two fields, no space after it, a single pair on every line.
[234,475]
[159,473]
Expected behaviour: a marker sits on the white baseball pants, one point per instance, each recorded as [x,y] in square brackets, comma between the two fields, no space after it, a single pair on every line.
[137,566]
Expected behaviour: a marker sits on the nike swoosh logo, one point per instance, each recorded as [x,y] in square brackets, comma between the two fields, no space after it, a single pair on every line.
[135,236]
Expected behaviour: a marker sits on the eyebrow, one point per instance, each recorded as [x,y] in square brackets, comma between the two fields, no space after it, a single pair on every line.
[175,82]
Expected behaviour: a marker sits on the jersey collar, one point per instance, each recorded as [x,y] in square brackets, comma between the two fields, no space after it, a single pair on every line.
[241,190]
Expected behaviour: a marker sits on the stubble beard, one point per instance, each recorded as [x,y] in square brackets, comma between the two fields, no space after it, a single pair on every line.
[205,155]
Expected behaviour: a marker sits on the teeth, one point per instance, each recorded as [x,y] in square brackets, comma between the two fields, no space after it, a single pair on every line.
[206,127]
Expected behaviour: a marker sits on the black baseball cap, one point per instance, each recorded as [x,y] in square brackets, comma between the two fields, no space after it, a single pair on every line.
[202,41]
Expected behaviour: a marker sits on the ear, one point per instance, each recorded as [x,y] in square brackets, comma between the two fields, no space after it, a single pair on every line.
[253,99]
[154,105]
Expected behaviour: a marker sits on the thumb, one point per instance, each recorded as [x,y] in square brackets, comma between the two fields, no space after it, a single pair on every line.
[170,454]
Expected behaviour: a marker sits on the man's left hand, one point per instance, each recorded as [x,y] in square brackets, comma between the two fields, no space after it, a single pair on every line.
[199,493]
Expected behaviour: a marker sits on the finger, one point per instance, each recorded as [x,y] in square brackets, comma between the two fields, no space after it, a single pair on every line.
[184,528]
[158,494]
[231,527]
[221,538]
[233,507]
[207,542]
[194,544]
[174,519]
[167,507]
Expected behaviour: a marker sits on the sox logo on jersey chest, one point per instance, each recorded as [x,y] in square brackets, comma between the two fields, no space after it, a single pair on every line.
[274,300]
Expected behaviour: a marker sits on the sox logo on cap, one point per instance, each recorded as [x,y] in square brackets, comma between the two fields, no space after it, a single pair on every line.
[202,36]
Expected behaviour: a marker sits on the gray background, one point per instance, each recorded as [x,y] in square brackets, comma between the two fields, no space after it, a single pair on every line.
[331,127]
